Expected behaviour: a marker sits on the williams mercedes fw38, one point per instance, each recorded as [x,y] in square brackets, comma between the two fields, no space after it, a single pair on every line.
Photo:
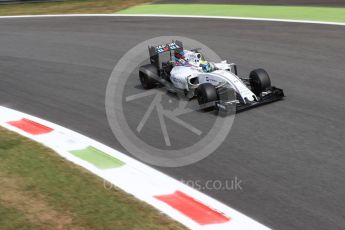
[211,83]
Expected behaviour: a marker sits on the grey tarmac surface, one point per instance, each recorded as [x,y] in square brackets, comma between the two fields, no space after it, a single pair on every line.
[289,155]
[333,3]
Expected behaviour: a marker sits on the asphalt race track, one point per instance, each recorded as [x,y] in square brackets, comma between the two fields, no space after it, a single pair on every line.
[290,155]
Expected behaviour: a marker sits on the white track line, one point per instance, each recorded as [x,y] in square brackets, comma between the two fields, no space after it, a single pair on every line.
[176,16]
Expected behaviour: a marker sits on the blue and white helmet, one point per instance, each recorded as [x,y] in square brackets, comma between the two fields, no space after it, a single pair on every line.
[206,67]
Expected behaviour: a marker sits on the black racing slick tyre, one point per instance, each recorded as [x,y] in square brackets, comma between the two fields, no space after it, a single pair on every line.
[206,93]
[146,81]
[259,81]
[146,74]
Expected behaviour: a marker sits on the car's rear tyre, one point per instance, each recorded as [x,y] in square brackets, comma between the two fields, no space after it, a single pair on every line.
[148,75]
[206,93]
[146,81]
[259,81]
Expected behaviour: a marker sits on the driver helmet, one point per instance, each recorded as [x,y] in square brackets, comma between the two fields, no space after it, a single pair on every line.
[206,67]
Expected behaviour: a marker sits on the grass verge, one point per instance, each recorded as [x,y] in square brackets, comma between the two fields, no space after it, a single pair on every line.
[40,190]
[68,7]
[12,219]
[326,14]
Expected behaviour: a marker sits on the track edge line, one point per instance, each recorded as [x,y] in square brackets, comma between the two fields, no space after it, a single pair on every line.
[177,16]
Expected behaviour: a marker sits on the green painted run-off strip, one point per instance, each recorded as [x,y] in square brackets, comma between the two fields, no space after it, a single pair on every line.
[325,14]
[98,158]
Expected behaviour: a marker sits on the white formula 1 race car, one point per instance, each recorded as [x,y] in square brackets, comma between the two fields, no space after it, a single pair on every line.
[211,83]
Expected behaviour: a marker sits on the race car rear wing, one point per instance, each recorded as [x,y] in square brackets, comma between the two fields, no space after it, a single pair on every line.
[155,51]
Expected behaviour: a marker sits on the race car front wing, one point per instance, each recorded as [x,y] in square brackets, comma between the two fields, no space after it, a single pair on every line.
[270,95]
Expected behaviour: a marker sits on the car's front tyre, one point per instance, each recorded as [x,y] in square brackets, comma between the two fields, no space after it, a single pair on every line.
[259,81]
[206,93]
